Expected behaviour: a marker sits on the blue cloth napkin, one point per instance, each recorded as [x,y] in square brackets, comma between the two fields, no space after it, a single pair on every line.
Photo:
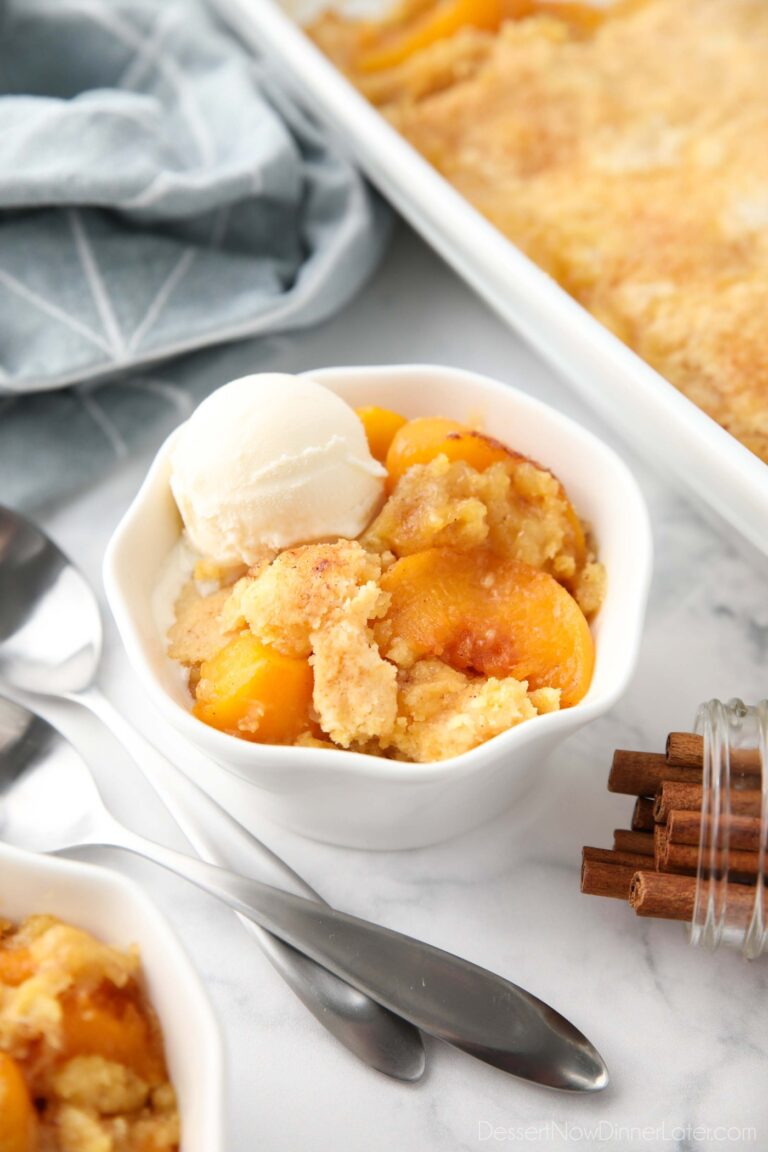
[157,194]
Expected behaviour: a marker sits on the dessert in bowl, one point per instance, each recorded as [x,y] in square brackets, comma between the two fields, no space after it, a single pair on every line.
[107,1040]
[391,678]
[82,1059]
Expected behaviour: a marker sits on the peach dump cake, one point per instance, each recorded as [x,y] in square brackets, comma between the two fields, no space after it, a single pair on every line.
[624,150]
[81,1053]
[454,603]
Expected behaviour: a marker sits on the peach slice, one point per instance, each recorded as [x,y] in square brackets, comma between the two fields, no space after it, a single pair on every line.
[18,1124]
[16,965]
[477,611]
[391,44]
[444,19]
[111,1022]
[254,691]
[421,440]
[380,425]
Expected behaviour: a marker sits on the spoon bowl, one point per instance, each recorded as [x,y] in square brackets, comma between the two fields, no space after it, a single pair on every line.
[50,628]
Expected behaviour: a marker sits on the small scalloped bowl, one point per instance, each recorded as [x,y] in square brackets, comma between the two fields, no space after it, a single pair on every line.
[115,910]
[365,801]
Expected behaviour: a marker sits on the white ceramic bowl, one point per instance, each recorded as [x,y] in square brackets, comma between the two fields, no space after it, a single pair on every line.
[114,909]
[363,801]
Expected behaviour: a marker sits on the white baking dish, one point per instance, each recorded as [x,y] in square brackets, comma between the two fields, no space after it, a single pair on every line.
[652,415]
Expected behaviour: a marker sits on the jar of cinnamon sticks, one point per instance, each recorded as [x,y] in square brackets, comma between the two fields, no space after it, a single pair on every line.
[697,849]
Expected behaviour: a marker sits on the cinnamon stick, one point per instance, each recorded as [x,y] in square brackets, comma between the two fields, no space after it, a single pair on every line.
[745,802]
[686,750]
[671,897]
[642,815]
[685,858]
[679,858]
[642,773]
[674,794]
[637,773]
[743,831]
[639,842]
[658,863]
[662,895]
[607,873]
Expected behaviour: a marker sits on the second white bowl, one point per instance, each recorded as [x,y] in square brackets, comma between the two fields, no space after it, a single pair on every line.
[363,801]
[112,908]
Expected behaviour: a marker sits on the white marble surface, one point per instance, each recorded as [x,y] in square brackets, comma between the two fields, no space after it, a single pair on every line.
[684,1033]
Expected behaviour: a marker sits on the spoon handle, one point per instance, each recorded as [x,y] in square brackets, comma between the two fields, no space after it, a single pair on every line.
[450,998]
[375,1035]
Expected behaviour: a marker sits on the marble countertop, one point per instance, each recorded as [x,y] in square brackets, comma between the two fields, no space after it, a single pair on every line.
[684,1033]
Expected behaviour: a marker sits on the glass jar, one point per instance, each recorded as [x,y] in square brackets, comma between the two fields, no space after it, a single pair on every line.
[730,905]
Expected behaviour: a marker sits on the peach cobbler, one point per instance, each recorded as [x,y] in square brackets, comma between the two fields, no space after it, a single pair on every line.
[460,609]
[624,149]
[81,1052]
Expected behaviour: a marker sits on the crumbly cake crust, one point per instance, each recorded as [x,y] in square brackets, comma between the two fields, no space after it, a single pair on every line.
[630,162]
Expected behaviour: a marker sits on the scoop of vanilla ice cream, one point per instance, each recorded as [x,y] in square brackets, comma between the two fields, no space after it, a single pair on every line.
[269,461]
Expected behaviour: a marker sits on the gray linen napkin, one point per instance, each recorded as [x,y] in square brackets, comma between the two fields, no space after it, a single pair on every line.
[157,195]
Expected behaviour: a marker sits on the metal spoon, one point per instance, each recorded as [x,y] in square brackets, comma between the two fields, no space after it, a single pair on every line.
[49,802]
[50,643]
